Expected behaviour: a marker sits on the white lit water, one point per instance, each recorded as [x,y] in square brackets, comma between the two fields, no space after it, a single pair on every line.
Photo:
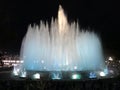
[61,47]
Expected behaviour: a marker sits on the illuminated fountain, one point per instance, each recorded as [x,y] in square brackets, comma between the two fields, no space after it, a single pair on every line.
[61,47]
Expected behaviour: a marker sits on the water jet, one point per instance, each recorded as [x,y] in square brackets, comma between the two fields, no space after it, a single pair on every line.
[61,47]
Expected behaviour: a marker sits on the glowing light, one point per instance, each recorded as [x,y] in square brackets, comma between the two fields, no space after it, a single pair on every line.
[56,75]
[75,67]
[76,76]
[67,62]
[92,75]
[22,61]
[13,61]
[62,20]
[23,74]
[102,74]
[17,61]
[14,64]
[42,61]
[36,76]
[16,72]
[110,58]
[106,70]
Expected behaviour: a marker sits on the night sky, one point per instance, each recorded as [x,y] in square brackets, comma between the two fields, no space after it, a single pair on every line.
[100,16]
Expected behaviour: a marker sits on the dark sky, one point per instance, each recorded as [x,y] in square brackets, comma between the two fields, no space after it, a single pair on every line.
[100,16]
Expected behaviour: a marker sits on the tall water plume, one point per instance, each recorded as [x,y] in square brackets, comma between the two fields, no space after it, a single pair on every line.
[62,47]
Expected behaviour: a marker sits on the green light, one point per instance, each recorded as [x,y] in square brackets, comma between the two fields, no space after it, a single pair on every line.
[76,76]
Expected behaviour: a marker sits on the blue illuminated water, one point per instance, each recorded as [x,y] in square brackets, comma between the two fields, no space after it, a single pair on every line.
[61,47]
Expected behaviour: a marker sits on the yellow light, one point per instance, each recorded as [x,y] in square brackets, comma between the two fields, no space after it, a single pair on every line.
[62,21]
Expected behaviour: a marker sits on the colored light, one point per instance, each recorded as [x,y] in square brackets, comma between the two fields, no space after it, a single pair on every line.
[36,76]
[23,74]
[92,75]
[16,72]
[76,76]
[56,75]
